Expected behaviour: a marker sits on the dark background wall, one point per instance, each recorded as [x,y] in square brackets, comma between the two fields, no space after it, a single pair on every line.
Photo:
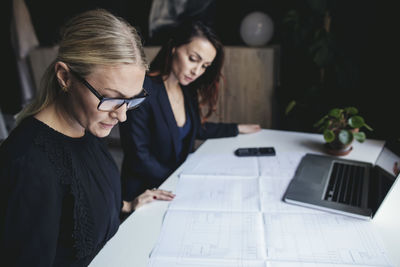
[364,32]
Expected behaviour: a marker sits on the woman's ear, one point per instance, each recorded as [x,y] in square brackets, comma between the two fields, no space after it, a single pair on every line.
[63,74]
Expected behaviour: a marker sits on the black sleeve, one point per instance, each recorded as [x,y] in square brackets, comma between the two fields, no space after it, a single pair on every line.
[211,129]
[136,142]
[30,212]
[216,130]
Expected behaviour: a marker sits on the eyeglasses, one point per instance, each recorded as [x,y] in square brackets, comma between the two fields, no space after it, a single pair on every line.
[111,104]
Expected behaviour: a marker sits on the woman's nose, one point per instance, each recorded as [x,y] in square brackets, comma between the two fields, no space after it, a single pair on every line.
[120,113]
[196,70]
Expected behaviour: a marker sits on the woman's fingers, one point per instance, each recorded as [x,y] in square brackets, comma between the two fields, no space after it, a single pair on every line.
[163,195]
[142,200]
[152,194]
[248,128]
[255,127]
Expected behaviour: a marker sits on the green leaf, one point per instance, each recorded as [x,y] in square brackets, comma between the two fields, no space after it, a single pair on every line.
[327,124]
[290,106]
[336,112]
[318,123]
[345,137]
[360,136]
[368,127]
[356,121]
[322,52]
[351,110]
[323,56]
[292,17]
[329,136]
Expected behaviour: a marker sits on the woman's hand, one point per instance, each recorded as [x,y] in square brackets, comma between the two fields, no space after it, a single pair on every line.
[248,128]
[147,197]
[396,168]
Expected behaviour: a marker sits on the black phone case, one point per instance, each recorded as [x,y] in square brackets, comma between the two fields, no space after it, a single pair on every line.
[255,151]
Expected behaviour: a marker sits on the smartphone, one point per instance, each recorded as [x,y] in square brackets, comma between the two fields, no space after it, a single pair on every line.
[255,151]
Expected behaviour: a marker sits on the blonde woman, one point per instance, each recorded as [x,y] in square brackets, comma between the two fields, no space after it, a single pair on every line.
[60,188]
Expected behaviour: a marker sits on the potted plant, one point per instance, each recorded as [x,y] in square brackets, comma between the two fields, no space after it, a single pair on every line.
[340,127]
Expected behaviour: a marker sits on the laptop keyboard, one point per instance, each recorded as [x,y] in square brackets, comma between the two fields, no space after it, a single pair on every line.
[345,184]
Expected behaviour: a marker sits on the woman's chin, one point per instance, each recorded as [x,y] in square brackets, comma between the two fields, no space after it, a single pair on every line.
[101,132]
[186,81]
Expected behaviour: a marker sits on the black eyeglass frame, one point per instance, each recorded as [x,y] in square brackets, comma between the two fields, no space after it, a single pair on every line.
[141,96]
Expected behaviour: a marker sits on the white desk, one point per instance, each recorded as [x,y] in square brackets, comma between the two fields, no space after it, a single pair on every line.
[135,239]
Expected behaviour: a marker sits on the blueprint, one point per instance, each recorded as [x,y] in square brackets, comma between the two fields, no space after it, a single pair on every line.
[231,214]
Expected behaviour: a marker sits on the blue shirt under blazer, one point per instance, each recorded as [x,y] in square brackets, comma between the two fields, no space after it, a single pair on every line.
[151,138]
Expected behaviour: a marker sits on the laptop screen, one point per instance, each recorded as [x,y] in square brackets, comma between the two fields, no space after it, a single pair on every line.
[387,168]
[389,160]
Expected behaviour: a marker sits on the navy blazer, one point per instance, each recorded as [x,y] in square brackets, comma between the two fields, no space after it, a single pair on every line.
[150,136]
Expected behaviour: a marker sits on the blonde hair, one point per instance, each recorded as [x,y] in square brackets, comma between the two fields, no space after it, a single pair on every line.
[90,39]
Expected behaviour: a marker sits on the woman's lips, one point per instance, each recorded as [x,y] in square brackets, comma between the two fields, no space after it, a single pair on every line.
[107,125]
[189,78]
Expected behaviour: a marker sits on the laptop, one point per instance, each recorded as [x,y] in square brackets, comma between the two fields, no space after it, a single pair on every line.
[344,186]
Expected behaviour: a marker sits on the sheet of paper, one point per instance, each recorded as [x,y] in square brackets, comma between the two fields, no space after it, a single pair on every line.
[221,193]
[271,193]
[323,239]
[168,262]
[211,235]
[283,165]
[228,211]
[308,264]
[221,164]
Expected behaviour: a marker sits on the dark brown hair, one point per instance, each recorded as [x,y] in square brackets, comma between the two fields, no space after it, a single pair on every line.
[207,84]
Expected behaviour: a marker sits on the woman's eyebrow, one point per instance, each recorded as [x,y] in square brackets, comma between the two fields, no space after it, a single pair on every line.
[119,94]
[197,54]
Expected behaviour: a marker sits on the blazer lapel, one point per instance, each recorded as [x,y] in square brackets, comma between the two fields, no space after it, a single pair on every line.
[168,116]
[191,113]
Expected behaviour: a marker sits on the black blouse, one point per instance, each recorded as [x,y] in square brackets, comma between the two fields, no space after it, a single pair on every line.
[60,197]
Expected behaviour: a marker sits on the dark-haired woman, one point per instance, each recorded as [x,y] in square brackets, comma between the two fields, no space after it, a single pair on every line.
[158,136]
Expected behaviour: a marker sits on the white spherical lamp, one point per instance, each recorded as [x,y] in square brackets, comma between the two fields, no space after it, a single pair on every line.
[256,29]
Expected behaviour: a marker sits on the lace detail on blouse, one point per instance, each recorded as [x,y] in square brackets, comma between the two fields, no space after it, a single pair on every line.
[60,157]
